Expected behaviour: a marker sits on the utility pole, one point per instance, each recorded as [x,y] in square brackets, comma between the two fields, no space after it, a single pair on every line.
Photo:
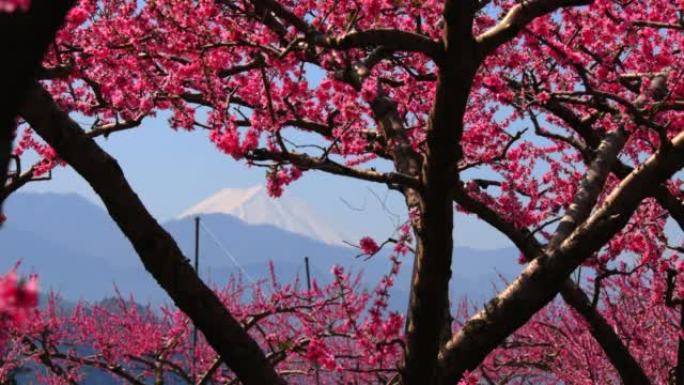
[308,273]
[194,329]
[197,229]
[308,286]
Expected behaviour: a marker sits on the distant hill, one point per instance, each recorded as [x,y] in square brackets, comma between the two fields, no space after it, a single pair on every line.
[78,250]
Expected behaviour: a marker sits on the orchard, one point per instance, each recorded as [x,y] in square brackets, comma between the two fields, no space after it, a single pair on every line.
[560,123]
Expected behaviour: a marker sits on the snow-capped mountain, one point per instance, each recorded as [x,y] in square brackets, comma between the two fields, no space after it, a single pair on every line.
[254,206]
[77,249]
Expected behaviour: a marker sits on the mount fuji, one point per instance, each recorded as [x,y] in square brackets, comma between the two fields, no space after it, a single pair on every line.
[254,206]
[77,249]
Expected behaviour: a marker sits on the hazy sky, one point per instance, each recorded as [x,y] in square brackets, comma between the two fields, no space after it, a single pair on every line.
[172,170]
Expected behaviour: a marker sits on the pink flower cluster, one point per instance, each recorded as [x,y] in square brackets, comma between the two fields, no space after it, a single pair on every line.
[324,333]
[9,6]
[18,298]
[48,155]
[279,178]
[368,246]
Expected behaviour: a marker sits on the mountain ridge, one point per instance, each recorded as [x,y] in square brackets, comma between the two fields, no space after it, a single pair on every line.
[50,232]
[254,206]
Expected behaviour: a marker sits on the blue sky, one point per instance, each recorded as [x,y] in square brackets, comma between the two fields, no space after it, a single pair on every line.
[171,170]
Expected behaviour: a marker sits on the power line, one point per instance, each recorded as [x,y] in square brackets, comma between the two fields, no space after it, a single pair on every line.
[226,252]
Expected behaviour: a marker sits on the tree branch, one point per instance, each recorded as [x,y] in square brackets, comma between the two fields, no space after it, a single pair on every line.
[391,39]
[543,277]
[434,247]
[28,176]
[631,373]
[590,187]
[516,19]
[622,360]
[306,162]
[582,126]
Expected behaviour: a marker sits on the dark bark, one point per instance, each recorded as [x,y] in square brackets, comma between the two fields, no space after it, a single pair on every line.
[434,244]
[432,266]
[673,205]
[157,250]
[24,37]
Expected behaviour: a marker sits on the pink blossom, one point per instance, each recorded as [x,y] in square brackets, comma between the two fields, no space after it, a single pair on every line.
[469,379]
[368,246]
[17,298]
[9,6]
[77,15]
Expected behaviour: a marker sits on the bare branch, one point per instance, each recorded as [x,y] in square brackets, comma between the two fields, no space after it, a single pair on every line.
[306,162]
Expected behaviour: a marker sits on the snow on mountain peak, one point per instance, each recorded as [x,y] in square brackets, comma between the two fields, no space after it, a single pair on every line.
[254,206]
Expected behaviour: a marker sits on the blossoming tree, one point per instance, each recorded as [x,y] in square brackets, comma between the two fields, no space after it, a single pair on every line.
[328,334]
[558,122]
[557,347]
[323,335]
[339,334]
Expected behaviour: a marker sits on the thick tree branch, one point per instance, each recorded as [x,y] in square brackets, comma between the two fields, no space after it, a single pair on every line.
[622,360]
[24,37]
[516,19]
[390,39]
[432,266]
[582,126]
[590,187]
[543,277]
[157,250]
